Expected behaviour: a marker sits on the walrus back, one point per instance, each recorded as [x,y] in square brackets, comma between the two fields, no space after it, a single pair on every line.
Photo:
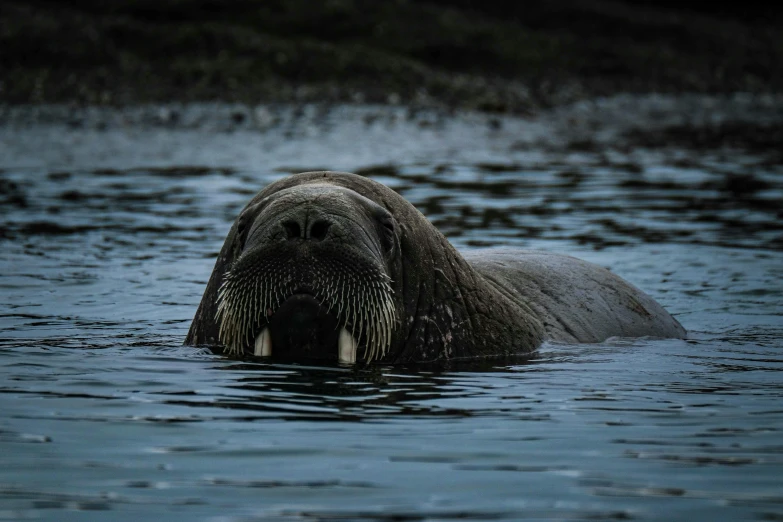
[576,301]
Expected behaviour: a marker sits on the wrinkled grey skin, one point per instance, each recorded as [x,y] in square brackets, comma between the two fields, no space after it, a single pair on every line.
[447,305]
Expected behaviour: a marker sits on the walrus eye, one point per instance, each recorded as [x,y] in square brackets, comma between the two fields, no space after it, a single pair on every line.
[388,234]
[244,222]
[241,234]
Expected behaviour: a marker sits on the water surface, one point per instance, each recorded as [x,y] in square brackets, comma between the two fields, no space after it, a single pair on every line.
[108,239]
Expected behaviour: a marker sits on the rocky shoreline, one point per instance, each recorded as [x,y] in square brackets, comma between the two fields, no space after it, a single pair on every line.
[497,57]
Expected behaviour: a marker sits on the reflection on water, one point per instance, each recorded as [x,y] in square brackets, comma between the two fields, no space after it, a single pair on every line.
[102,410]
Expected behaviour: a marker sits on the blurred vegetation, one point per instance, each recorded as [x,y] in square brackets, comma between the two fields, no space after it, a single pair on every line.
[492,55]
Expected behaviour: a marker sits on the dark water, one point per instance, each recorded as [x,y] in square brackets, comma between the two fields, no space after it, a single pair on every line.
[109,236]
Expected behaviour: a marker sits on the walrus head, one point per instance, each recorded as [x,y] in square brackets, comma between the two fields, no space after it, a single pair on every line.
[311,277]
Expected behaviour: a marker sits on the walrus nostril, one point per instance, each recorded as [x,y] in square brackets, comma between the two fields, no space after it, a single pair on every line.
[318,230]
[292,230]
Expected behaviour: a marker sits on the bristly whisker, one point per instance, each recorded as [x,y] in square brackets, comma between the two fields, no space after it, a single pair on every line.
[360,292]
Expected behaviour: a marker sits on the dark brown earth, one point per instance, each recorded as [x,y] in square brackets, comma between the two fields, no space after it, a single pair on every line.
[498,56]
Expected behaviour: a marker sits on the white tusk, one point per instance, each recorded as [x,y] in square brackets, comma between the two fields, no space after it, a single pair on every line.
[346,347]
[264,343]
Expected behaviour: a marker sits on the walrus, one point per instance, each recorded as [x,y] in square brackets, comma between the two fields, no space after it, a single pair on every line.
[335,266]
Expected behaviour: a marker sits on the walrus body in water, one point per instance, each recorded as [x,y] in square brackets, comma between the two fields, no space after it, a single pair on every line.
[334,266]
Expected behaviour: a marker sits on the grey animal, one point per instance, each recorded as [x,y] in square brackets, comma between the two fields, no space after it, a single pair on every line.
[335,266]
